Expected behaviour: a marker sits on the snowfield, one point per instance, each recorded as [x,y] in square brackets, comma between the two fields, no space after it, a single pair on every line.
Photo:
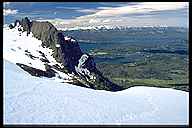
[32,100]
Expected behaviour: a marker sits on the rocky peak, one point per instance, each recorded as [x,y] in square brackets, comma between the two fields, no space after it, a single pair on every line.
[67,51]
[26,24]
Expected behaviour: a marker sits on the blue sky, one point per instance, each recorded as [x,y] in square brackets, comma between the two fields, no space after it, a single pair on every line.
[109,13]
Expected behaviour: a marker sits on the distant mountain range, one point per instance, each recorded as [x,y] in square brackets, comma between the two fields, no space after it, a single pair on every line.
[103,27]
[61,25]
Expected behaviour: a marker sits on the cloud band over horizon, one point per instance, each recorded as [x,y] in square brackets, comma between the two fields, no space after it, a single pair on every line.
[124,13]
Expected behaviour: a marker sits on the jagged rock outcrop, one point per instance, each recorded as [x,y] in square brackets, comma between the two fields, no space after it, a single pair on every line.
[48,34]
[11,26]
[37,72]
[86,66]
[26,24]
[67,51]
[70,52]
[45,32]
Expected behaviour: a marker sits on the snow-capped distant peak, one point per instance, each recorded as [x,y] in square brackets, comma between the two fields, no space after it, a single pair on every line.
[98,27]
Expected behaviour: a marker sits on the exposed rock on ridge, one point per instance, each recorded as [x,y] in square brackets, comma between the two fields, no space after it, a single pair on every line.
[67,51]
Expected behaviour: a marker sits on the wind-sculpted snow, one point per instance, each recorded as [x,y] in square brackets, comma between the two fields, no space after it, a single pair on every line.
[32,100]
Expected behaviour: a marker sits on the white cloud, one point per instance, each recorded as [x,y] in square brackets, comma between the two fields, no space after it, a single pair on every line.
[73,8]
[126,15]
[9,12]
[104,8]
[7,3]
[110,15]
[87,10]
[94,20]
[107,20]
[144,7]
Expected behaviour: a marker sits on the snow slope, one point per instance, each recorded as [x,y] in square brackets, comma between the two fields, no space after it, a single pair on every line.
[32,100]
[15,45]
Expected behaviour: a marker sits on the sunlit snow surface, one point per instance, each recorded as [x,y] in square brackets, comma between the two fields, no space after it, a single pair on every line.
[15,45]
[32,100]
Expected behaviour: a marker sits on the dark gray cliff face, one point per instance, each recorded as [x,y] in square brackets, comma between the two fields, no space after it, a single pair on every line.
[45,32]
[67,51]
[70,52]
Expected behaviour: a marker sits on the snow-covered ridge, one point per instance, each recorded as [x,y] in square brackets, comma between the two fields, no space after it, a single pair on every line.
[20,48]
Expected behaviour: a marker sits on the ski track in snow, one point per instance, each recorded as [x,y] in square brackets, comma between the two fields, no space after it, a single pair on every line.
[32,100]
